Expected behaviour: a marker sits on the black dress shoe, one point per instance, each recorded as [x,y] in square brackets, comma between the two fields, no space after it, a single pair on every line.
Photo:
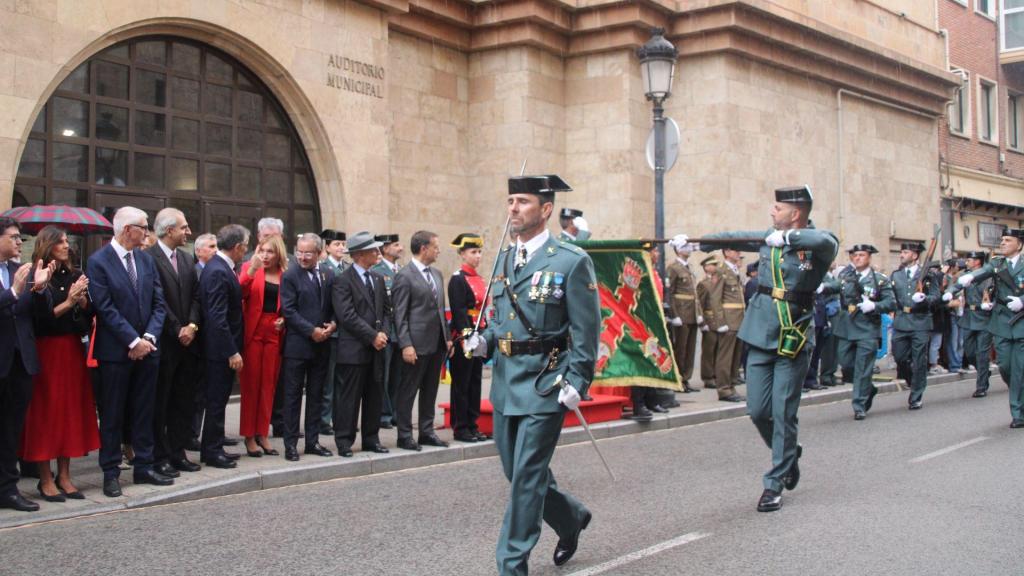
[433,440]
[111,488]
[409,444]
[185,465]
[318,450]
[376,448]
[345,452]
[859,415]
[915,405]
[733,398]
[979,394]
[657,409]
[480,436]
[220,461]
[770,501]
[687,389]
[585,397]
[16,501]
[231,455]
[291,453]
[871,398]
[565,549]
[792,477]
[58,497]
[1017,424]
[814,387]
[228,441]
[151,477]
[166,469]
[641,413]
[465,437]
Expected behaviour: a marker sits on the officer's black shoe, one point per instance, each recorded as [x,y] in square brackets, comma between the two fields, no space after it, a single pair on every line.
[915,405]
[657,409]
[566,548]
[770,501]
[111,488]
[814,386]
[979,394]
[585,397]
[687,389]
[641,413]
[792,478]
[871,398]
[16,501]
[859,415]
[1017,424]
[733,398]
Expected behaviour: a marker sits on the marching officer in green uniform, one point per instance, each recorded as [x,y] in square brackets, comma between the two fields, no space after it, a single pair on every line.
[574,227]
[779,327]
[1006,324]
[546,324]
[864,295]
[978,305]
[912,326]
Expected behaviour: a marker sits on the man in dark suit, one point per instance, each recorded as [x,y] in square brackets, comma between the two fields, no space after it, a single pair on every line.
[306,307]
[220,298]
[128,298]
[23,295]
[206,248]
[332,266]
[175,385]
[418,293]
[357,297]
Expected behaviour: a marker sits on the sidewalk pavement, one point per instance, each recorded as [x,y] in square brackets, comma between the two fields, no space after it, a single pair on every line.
[274,471]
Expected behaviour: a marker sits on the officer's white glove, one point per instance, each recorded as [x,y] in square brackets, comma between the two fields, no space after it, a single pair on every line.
[987,306]
[679,241]
[947,297]
[581,224]
[700,319]
[475,345]
[821,288]
[866,305]
[722,329]
[965,280]
[704,328]
[569,397]
[776,239]
[1015,304]
[918,297]
[676,321]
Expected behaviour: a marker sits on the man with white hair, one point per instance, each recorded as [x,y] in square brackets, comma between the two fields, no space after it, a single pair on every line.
[686,312]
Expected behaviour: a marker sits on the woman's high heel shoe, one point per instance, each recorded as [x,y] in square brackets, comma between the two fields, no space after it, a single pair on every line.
[76,495]
[55,498]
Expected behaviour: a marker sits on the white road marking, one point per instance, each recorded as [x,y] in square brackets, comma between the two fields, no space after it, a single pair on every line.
[948,449]
[634,556]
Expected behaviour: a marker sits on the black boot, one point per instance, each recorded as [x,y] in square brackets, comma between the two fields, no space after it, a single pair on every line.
[640,411]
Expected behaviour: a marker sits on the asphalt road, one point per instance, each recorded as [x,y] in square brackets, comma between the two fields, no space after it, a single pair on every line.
[935,492]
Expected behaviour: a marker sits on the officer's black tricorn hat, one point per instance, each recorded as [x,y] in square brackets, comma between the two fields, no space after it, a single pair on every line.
[863,248]
[570,213]
[977,255]
[386,238]
[468,240]
[912,246]
[795,195]
[328,235]
[543,185]
[1014,233]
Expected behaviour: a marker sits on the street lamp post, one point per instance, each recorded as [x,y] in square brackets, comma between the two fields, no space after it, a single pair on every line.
[657,70]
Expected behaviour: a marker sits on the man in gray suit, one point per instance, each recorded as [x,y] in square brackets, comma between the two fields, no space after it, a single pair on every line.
[418,293]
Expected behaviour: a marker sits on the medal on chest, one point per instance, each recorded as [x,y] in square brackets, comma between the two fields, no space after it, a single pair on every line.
[805,262]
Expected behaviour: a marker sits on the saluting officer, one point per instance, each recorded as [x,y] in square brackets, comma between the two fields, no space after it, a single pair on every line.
[912,327]
[546,324]
[865,295]
[682,290]
[574,227]
[1006,324]
[779,327]
[977,315]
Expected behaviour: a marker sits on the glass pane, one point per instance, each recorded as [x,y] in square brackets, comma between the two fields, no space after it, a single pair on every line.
[304,221]
[111,80]
[150,88]
[111,123]
[276,186]
[185,57]
[111,167]
[150,129]
[297,160]
[184,174]
[69,197]
[1012,4]
[185,94]
[243,80]
[218,139]
[33,159]
[218,179]
[217,100]
[272,117]
[303,195]
[247,182]
[40,124]
[218,69]
[70,162]
[154,52]
[276,149]
[250,144]
[250,107]
[71,118]
[1014,34]
[26,196]
[185,134]
[119,51]
[149,171]
[77,81]
[193,213]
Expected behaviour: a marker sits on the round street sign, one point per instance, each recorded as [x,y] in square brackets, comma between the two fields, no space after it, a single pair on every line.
[671,145]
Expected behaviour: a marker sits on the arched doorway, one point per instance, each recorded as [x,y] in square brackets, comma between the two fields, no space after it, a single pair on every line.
[161,121]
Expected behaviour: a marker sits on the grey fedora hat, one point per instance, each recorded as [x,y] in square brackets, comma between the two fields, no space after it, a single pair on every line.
[361,241]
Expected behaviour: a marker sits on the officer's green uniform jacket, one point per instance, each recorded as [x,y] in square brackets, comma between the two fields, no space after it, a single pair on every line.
[557,291]
[914,316]
[1007,283]
[385,270]
[974,317]
[805,261]
[851,323]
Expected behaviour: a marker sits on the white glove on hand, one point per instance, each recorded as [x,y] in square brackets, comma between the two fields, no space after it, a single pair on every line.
[580,223]
[1015,304]
[986,306]
[722,329]
[676,321]
[475,345]
[700,319]
[776,239]
[679,241]
[569,397]
[947,297]
[965,280]
[866,305]
[821,288]
[918,297]
[704,328]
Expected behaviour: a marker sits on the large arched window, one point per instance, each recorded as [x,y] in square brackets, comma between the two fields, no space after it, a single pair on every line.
[164,121]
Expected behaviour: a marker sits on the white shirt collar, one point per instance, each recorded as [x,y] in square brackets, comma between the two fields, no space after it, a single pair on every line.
[1013,261]
[167,251]
[533,244]
[911,270]
[120,250]
[231,263]
[359,270]
[419,265]
[735,269]
[336,263]
[865,273]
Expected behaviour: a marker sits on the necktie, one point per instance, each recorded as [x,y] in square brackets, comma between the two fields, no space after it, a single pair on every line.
[521,258]
[174,262]
[131,272]
[430,281]
[369,284]
[5,275]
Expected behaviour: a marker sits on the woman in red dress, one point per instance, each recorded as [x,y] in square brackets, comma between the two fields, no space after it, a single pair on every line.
[61,419]
[465,297]
[261,309]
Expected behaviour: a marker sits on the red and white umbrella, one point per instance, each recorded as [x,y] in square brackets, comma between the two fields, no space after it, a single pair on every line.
[76,220]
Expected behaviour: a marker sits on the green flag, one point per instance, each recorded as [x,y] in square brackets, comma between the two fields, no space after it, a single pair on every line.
[634,349]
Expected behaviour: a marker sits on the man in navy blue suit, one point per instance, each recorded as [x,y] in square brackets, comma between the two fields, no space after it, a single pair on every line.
[220,298]
[306,307]
[23,294]
[128,298]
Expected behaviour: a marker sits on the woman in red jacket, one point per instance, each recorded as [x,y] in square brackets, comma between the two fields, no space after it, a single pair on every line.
[261,310]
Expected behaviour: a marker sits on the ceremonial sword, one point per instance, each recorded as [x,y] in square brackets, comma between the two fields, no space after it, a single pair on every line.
[579,415]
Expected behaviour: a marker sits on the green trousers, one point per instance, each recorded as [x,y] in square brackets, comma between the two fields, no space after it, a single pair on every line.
[1010,353]
[858,358]
[774,384]
[829,359]
[526,445]
[911,349]
[977,346]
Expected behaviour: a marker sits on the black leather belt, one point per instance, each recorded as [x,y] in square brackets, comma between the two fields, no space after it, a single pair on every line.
[510,347]
[802,299]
